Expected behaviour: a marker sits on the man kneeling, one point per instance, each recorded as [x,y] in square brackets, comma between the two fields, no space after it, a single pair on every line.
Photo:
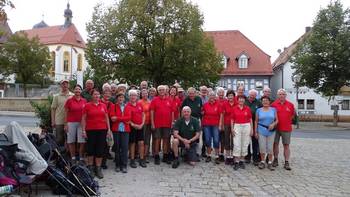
[186,134]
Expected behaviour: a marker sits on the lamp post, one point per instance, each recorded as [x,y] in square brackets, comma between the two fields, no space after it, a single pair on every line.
[296,79]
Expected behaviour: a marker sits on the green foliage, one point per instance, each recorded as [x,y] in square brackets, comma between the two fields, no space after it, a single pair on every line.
[156,40]
[43,112]
[26,58]
[323,60]
[3,4]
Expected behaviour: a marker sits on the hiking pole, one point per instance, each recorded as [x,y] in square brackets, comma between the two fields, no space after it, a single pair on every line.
[64,187]
[74,175]
[70,170]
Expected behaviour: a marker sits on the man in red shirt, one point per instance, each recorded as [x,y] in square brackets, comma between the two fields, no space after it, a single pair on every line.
[285,112]
[161,119]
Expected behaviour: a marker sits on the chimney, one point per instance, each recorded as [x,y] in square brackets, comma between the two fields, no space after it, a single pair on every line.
[307,29]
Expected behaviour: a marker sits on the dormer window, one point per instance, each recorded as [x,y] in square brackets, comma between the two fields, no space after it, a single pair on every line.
[225,60]
[243,61]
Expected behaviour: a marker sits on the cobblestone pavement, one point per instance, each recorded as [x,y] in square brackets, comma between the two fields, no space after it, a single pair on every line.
[320,168]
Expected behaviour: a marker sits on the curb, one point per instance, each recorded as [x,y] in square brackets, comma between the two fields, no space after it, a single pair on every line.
[17,114]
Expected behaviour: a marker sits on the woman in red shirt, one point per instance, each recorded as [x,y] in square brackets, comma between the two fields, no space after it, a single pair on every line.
[211,123]
[74,112]
[175,102]
[227,111]
[120,116]
[137,135]
[95,125]
[145,103]
[242,131]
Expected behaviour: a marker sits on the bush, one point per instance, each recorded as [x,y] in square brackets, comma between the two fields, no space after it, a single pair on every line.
[43,112]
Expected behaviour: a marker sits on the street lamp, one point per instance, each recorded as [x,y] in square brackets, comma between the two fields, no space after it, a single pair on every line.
[296,79]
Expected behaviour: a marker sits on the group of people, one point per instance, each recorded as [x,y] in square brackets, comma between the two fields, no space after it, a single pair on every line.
[138,122]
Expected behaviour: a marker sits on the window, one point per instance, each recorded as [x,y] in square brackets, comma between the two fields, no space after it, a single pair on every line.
[240,83]
[243,61]
[66,62]
[80,62]
[301,104]
[224,61]
[310,104]
[345,105]
[53,63]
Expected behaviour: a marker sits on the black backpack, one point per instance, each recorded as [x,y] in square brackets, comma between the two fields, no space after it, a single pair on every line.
[58,182]
[86,180]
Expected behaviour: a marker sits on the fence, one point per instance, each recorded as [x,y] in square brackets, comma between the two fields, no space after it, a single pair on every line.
[322,118]
[18,104]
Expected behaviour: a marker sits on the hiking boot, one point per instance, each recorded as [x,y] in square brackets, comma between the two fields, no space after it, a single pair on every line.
[286,166]
[92,170]
[142,163]
[270,167]
[261,165]
[176,163]
[227,161]
[157,160]
[255,163]
[247,161]
[217,160]
[117,169]
[275,163]
[99,173]
[208,159]
[133,163]
[241,165]
[236,166]
[165,158]
[221,158]
[124,170]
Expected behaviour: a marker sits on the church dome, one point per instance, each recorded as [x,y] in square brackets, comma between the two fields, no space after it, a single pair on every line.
[42,24]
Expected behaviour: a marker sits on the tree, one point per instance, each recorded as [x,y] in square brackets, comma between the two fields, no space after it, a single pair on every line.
[3,4]
[26,58]
[323,59]
[156,40]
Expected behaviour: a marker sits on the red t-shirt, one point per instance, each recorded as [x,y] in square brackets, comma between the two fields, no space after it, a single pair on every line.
[241,116]
[146,109]
[228,112]
[285,113]
[211,114]
[176,104]
[74,109]
[136,112]
[162,110]
[95,116]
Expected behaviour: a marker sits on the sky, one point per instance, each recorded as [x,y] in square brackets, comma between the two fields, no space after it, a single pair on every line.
[270,24]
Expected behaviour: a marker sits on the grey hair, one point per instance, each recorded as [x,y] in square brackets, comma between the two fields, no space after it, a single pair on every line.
[253,91]
[220,89]
[186,108]
[281,90]
[114,85]
[191,89]
[133,92]
[161,87]
[267,89]
[203,87]
[106,86]
[211,93]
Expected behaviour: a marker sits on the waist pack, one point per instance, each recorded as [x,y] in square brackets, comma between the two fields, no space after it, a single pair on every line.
[267,127]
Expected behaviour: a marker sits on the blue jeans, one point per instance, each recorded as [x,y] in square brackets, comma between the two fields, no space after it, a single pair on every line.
[211,133]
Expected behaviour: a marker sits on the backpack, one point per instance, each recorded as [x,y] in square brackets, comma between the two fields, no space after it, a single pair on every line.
[85,178]
[58,182]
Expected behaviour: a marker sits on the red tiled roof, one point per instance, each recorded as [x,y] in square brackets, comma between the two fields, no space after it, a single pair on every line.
[233,43]
[58,35]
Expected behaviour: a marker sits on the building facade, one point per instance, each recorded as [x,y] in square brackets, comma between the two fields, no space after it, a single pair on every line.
[244,62]
[66,46]
[305,99]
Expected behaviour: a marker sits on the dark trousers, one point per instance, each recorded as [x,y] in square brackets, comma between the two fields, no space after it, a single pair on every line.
[121,142]
[255,154]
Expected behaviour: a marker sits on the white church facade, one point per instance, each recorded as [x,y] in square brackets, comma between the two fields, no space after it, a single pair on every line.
[66,46]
